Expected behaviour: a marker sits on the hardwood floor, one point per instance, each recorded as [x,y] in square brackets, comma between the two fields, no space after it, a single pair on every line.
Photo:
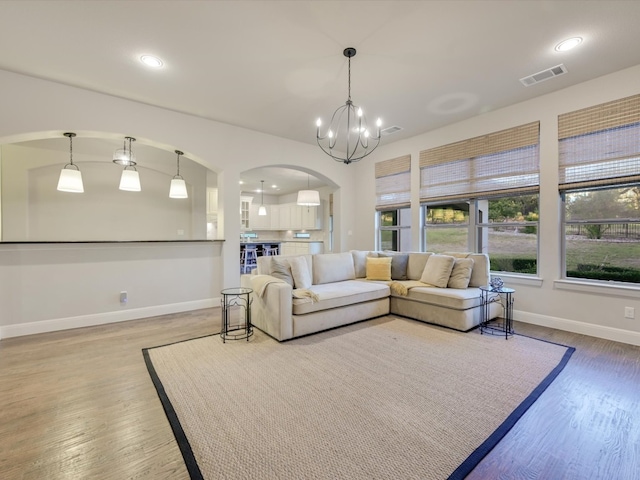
[80,404]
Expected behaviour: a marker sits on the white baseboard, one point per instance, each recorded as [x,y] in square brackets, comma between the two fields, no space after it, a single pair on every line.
[600,331]
[55,324]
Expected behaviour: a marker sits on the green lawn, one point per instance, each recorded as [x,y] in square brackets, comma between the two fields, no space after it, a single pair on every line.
[519,247]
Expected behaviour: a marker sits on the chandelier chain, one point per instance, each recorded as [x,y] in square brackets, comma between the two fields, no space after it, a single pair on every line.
[349,79]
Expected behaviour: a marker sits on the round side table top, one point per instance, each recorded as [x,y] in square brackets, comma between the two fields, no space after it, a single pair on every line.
[236,291]
[489,288]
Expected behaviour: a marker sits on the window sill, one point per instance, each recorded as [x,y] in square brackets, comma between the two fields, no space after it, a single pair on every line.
[598,288]
[515,279]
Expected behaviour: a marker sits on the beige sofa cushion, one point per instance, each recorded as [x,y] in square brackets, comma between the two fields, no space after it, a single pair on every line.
[265,263]
[461,273]
[480,275]
[457,299]
[416,263]
[332,267]
[300,272]
[339,294]
[360,261]
[438,270]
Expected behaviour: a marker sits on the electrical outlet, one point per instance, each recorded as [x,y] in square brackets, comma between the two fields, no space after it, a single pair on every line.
[629,312]
[123,297]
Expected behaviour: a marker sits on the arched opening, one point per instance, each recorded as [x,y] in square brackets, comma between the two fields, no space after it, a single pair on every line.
[33,210]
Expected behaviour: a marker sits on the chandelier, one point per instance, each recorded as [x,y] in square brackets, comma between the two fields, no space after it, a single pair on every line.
[348,138]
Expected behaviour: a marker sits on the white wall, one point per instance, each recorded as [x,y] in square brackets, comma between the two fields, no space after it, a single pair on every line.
[569,305]
[34,108]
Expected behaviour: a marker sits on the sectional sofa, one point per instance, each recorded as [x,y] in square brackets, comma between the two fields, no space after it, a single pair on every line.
[302,294]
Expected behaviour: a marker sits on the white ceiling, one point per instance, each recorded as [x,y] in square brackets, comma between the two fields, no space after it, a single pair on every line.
[276,66]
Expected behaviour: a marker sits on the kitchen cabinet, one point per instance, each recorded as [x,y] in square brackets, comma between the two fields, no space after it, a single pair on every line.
[212,201]
[311,217]
[284,216]
[258,222]
[245,207]
[297,217]
[301,248]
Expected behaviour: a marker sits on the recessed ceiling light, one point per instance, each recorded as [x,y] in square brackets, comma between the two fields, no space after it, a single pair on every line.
[241,182]
[151,61]
[274,186]
[568,44]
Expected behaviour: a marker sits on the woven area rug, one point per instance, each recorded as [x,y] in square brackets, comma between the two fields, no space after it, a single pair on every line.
[386,398]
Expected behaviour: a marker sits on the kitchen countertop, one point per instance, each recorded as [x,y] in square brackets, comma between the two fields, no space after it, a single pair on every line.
[299,240]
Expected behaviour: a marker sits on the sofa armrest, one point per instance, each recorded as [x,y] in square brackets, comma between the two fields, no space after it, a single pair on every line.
[271,312]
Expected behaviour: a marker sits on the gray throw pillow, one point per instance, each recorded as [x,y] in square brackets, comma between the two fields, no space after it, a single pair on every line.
[399,262]
[281,269]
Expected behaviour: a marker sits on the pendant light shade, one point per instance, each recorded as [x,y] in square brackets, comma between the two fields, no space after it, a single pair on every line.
[70,177]
[130,180]
[262,210]
[308,198]
[178,187]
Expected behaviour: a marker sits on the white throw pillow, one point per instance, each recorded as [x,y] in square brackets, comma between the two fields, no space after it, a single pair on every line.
[438,270]
[461,273]
[300,272]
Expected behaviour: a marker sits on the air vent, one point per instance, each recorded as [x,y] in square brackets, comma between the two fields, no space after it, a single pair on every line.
[544,75]
[390,130]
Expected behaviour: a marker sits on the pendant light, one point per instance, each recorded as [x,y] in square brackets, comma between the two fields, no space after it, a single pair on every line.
[70,180]
[130,179]
[308,198]
[262,211]
[178,185]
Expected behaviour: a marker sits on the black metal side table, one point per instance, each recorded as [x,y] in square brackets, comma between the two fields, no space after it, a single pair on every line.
[489,295]
[236,297]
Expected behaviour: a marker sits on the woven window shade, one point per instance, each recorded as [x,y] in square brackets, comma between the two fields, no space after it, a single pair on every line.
[500,163]
[600,145]
[393,183]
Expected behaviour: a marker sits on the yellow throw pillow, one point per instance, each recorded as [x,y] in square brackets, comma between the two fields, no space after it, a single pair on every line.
[379,268]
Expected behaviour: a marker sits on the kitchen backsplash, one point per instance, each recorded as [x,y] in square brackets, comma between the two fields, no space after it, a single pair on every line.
[314,235]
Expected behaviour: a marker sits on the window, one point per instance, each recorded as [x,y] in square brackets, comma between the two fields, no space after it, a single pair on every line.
[481,194]
[446,227]
[395,230]
[505,227]
[393,198]
[602,234]
[510,233]
[599,187]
